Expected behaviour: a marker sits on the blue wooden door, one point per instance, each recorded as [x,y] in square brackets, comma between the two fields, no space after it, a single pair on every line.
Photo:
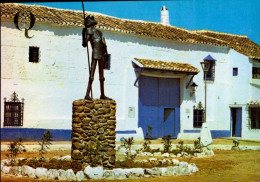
[238,122]
[159,106]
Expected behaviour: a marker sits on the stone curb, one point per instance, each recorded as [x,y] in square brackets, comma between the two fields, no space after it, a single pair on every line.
[179,168]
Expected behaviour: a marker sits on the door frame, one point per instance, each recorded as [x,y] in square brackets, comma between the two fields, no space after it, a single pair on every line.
[235,109]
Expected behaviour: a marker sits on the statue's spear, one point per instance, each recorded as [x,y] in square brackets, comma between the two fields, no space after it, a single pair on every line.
[87,49]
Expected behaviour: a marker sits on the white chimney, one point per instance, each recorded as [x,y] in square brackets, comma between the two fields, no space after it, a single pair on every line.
[164,16]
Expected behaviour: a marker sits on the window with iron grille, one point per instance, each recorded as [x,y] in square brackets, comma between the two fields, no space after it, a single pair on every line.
[256,73]
[198,115]
[197,118]
[210,75]
[255,118]
[34,54]
[13,111]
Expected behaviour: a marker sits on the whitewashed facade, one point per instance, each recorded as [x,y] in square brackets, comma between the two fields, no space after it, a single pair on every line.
[61,76]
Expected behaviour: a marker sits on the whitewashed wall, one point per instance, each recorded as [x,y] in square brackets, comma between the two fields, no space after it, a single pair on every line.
[50,86]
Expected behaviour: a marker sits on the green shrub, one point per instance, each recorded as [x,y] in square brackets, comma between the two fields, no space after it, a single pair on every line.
[128,145]
[197,146]
[167,144]
[45,142]
[16,147]
[148,137]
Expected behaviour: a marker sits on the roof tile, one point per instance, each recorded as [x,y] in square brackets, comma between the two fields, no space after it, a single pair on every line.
[168,66]
[74,18]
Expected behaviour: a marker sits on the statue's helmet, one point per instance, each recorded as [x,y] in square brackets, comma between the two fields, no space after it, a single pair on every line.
[89,21]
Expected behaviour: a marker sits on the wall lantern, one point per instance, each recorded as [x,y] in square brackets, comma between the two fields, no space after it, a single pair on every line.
[193,88]
[205,66]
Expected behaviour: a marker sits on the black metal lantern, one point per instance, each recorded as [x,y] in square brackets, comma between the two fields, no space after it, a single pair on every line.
[193,88]
[205,65]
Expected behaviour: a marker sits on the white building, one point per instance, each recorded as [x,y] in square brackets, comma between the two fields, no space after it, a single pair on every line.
[150,75]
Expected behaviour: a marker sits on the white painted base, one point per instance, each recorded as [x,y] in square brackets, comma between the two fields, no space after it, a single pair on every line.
[137,136]
[188,136]
[205,135]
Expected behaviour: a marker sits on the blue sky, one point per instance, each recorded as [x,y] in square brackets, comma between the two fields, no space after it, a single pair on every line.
[231,16]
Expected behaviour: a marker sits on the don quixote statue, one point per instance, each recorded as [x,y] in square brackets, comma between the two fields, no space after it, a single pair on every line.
[99,53]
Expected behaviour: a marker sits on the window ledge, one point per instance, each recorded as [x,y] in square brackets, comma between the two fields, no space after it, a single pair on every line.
[255,81]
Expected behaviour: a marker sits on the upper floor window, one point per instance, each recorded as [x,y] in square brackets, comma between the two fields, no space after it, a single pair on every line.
[209,65]
[235,71]
[210,75]
[254,117]
[256,73]
[13,111]
[34,54]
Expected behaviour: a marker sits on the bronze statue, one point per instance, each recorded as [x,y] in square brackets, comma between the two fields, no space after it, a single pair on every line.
[99,53]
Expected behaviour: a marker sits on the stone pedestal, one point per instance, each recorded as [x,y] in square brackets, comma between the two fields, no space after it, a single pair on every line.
[205,135]
[93,133]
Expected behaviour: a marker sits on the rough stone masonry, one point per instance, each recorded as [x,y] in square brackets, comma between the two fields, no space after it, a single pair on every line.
[93,133]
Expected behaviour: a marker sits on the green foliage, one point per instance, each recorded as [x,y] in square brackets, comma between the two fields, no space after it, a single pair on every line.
[128,145]
[167,144]
[148,137]
[45,142]
[16,147]
[197,146]
[180,147]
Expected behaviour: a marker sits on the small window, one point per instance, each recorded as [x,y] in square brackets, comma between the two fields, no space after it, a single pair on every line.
[107,62]
[13,111]
[235,71]
[256,73]
[197,118]
[255,118]
[34,54]
[210,75]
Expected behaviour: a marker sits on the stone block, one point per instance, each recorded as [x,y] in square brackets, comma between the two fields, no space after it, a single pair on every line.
[62,174]
[108,174]
[119,173]
[41,173]
[28,171]
[80,176]
[91,124]
[52,174]
[76,154]
[93,172]
[70,175]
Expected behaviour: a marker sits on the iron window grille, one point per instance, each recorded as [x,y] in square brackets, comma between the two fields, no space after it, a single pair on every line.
[256,73]
[210,75]
[34,54]
[13,111]
[198,115]
[254,117]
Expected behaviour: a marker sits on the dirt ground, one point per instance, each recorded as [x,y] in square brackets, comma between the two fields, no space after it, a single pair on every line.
[234,166]
[223,141]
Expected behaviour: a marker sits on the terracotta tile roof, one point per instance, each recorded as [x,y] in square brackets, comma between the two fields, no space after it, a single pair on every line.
[143,28]
[168,66]
[241,43]
[254,103]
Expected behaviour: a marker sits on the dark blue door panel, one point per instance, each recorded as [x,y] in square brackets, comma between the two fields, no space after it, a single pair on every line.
[169,92]
[168,121]
[159,106]
[238,122]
